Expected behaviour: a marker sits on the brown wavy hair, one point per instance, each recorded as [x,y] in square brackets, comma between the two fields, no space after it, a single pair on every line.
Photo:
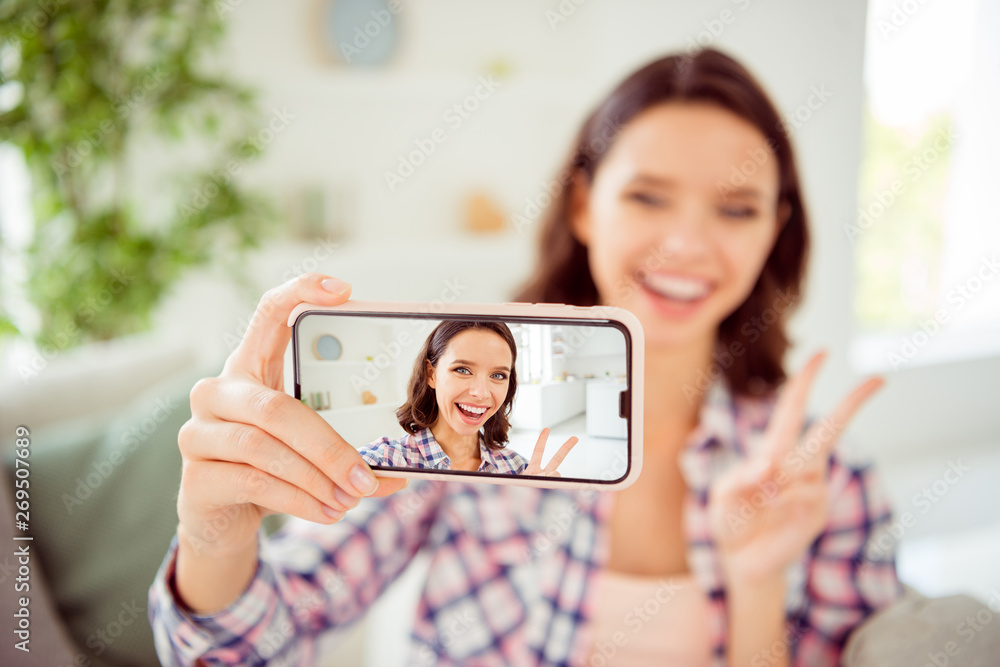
[707,76]
[421,409]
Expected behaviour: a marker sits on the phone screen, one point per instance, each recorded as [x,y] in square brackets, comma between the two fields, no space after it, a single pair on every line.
[472,394]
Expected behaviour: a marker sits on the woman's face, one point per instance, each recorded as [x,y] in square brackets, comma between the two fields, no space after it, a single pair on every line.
[471,379]
[679,219]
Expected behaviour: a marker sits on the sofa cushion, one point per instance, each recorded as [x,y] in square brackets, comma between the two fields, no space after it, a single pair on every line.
[916,630]
[96,379]
[103,511]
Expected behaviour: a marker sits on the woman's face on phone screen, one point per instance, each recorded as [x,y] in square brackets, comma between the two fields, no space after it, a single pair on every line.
[471,379]
[680,217]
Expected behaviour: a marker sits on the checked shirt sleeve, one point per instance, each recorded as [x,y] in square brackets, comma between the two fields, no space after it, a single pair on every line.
[310,579]
[381,453]
[852,568]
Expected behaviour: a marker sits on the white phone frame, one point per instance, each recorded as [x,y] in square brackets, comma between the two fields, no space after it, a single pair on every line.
[635,348]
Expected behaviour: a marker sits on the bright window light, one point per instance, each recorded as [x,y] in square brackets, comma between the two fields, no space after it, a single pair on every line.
[926,240]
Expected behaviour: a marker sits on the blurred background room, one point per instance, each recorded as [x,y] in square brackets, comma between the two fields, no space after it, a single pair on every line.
[163,164]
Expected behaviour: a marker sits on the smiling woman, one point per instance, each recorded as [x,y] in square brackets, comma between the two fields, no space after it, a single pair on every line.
[457,411]
[692,218]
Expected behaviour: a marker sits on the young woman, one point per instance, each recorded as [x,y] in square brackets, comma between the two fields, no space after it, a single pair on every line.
[458,406]
[742,543]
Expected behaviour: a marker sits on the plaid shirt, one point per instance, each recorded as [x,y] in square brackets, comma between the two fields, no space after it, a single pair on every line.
[512,569]
[423,451]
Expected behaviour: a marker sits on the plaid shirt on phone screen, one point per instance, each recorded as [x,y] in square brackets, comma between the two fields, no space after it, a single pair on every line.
[423,451]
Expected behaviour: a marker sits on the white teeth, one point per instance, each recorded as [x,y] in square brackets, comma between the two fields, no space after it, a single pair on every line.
[471,408]
[676,287]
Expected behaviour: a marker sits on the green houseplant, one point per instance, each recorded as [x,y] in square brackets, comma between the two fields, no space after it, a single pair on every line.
[106,92]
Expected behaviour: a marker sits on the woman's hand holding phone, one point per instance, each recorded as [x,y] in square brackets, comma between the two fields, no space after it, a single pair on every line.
[251,450]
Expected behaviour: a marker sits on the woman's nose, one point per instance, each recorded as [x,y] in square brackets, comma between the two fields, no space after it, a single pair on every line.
[686,236]
[478,388]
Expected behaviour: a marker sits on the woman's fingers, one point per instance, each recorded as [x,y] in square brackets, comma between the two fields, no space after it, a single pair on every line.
[260,355]
[535,465]
[289,421]
[550,469]
[803,465]
[785,427]
[819,441]
[536,453]
[213,483]
[388,486]
[244,443]
[743,479]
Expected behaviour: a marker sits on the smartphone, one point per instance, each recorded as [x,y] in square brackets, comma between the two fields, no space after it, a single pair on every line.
[544,395]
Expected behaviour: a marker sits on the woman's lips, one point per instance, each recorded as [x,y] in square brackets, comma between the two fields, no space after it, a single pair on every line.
[677,287]
[675,297]
[470,417]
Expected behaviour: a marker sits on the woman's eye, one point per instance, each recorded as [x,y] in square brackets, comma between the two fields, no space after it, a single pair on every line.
[646,199]
[499,376]
[739,212]
[463,370]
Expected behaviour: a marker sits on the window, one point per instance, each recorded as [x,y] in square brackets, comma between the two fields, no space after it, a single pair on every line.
[926,241]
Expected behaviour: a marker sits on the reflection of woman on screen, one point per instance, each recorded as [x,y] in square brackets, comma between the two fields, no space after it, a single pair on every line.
[458,404]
